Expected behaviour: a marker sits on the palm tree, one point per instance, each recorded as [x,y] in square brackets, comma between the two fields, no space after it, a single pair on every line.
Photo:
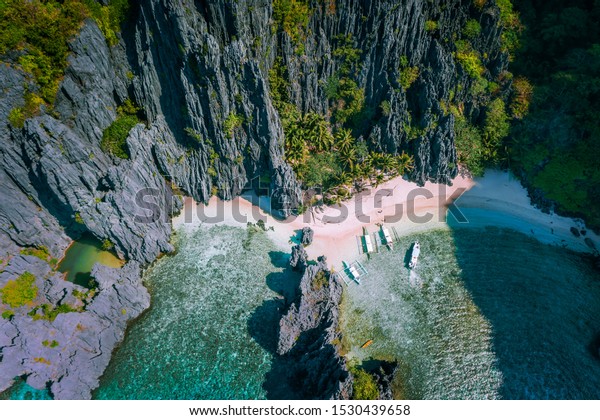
[379,178]
[386,162]
[296,151]
[323,135]
[343,140]
[404,163]
[345,178]
[348,158]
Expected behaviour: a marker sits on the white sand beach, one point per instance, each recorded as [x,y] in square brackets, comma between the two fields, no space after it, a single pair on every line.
[497,199]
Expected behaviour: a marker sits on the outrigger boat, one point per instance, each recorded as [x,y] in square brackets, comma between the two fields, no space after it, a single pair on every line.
[415,255]
[387,237]
[351,270]
[367,241]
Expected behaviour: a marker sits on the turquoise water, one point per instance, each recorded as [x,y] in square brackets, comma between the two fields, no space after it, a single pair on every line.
[21,391]
[428,322]
[81,257]
[488,313]
[206,335]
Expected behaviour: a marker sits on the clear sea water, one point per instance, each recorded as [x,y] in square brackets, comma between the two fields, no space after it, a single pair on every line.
[21,391]
[487,313]
[211,323]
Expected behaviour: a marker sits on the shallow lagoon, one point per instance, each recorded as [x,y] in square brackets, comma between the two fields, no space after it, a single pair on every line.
[203,337]
[488,313]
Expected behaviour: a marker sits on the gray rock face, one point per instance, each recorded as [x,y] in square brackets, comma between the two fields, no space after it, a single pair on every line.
[307,236]
[308,339]
[69,353]
[199,71]
[57,183]
[298,258]
[197,68]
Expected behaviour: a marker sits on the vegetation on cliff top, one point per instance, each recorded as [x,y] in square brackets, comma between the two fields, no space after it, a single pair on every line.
[292,17]
[115,135]
[322,150]
[328,156]
[19,292]
[38,32]
[42,253]
[364,386]
[480,140]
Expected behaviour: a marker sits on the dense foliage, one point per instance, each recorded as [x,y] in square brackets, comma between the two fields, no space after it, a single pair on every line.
[19,292]
[556,146]
[292,17]
[39,31]
[480,141]
[322,150]
[115,136]
[40,252]
[48,312]
[364,386]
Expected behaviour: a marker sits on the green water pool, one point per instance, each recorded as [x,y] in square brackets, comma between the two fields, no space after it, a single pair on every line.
[80,258]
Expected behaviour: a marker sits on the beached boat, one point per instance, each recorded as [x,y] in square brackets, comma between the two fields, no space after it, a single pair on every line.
[387,237]
[367,241]
[415,255]
[367,344]
[351,271]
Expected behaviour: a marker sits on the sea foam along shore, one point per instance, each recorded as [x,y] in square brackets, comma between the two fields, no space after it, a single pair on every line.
[496,199]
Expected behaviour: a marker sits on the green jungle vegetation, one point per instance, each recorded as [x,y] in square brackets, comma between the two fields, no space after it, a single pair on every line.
[480,143]
[35,33]
[364,386]
[324,152]
[547,130]
[555,147]
[115,135]
[18,292]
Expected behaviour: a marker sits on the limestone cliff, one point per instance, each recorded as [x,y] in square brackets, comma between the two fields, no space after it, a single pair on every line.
[309,340]
[191,66]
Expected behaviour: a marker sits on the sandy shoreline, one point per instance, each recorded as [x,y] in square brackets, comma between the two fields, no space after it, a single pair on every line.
[399,204]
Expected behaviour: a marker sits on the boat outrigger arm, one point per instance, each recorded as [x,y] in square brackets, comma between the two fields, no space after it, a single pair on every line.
[353,272]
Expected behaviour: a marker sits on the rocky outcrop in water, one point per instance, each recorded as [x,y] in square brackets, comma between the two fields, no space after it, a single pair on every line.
[384,376]
[307,235]
[298,258]
[309,338]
